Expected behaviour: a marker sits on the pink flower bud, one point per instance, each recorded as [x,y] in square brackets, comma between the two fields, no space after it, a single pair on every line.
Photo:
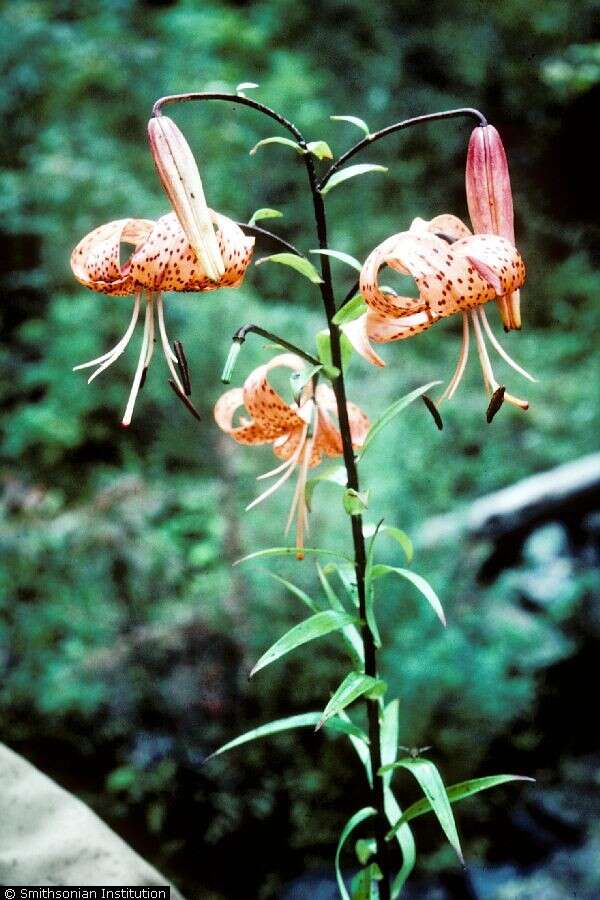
[489,198]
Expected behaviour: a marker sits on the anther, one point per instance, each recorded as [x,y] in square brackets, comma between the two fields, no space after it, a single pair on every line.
[433,410]
[182,365]
[495,403]
[185,400]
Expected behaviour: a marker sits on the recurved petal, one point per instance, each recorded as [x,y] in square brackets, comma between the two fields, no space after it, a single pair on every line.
[267,408]
[357,333]
[496,260]
[224,412]
[95,261]
[449,225]
[328,435]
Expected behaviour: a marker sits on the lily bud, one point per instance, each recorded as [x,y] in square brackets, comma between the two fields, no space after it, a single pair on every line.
[180,178]
[489,198]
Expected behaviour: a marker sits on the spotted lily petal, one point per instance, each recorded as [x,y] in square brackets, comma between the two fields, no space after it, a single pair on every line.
[95,261]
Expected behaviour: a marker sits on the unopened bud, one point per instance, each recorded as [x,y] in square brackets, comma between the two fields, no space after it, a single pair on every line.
[180,178]
[489,198]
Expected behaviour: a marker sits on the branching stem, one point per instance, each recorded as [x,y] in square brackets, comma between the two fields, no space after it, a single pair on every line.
[339,387]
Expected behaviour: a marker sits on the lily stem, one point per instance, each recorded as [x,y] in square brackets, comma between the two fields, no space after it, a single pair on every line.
[398,126]
[240,337]
[360,556]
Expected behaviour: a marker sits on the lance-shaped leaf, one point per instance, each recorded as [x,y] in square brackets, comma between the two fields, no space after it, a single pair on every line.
[419,582]
[316,626]
[405,840]
[287,142]
[320,149]
[456,792]
[350,172]
[392,411]
[265,212]
[343,257]
[349,827]
[389,737]
[299,263]
[290,551]
[303,720]
[354,120]
[350,633]
[298,592]
[354,685]
[432,786]
[350,310]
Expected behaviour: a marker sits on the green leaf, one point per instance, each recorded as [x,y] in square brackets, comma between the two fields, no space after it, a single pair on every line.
[355,502]
[362,750]
[456,792]
[419,582]
[288,142]
[350,310]
[264,213]
[299,380]
[350,172]
[320,149]
[365,848]
[343,257]
[336,475]
[389,737]
[352,638]
[432,786]
[392,411]
[245,86]
[349,827]
[397,534]
[299,263]
[354,120]
[345,726]
[316,626]
[405,840]
[303,720]
[302,595]
[323,341]
[354,685]
[291,551]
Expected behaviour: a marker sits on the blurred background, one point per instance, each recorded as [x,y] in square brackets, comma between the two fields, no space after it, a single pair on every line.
[126,637]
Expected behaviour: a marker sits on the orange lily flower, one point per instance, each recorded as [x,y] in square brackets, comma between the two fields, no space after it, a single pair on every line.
[301,434]
[162,260]
[455,272]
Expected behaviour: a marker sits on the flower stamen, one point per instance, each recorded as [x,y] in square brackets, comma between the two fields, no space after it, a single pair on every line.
[461,364]
[168,353]
[491,384]
[137,378]
[501,351]
[107,359]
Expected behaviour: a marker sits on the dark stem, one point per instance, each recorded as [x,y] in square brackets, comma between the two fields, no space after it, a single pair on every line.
[360,557]
[240,337]
[398,126]
[255,231]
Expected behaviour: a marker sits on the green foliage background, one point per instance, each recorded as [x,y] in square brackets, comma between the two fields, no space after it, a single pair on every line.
[125,634]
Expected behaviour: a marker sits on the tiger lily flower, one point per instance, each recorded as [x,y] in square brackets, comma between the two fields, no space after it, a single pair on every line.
[489,198]
[455,272]
[301,434]
[162,259]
